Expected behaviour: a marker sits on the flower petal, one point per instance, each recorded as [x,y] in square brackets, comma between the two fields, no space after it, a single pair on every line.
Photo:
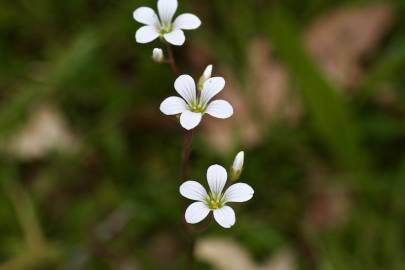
[239,192]
[146,34]
[225,216]
[211,87]
[147,16]
[220,109]
[187,21]
[216,176]
[173,105]
[190,120]
[196,212]
[175,37]
[185,86]
[166,9]
[193,190]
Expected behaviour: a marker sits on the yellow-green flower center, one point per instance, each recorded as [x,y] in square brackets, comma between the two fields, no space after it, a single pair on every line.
[214,204]
[214,201]
[197,107]
[166,28]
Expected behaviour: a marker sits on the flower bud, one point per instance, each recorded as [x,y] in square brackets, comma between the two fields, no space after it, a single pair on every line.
[237,166]
[205,76]
[157,55]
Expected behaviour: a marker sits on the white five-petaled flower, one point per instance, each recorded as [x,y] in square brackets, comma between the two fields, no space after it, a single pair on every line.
[192,106]
[215,200]
[163,25]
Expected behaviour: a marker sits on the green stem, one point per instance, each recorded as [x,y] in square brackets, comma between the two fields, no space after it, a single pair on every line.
[187,145]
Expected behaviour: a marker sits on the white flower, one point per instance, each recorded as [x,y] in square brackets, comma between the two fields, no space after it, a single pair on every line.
[163,26]
[192,107]
[215,200]
[157,55]
[237,166]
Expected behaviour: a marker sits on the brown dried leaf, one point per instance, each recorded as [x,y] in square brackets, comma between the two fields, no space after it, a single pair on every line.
[340,40]
[284,259]
[225,254]
[270,81]
[45,130]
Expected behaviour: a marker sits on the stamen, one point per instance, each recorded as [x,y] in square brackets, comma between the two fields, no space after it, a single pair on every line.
[214,202]
[166,28]
[197,107]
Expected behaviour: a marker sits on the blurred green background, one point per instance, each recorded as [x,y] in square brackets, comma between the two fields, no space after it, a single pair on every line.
[89,167]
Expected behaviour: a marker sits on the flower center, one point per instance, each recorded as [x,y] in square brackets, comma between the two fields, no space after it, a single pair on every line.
[214,204]
[166,28]
[214,201]
[197,107]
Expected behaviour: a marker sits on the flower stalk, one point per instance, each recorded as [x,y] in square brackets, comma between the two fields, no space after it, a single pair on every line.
[171,60]
[194,102]
[187,146]
[185,160]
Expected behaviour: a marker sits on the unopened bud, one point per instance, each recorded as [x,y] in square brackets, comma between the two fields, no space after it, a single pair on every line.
[205,76]
[157,55]
[237,166]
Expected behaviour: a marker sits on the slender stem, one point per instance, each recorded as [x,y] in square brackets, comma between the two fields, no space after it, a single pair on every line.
[191,245]
[187,146]
[204,227]
[187,142]
[171,61]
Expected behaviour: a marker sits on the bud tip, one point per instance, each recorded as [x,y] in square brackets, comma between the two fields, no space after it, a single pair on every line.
[157,55]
